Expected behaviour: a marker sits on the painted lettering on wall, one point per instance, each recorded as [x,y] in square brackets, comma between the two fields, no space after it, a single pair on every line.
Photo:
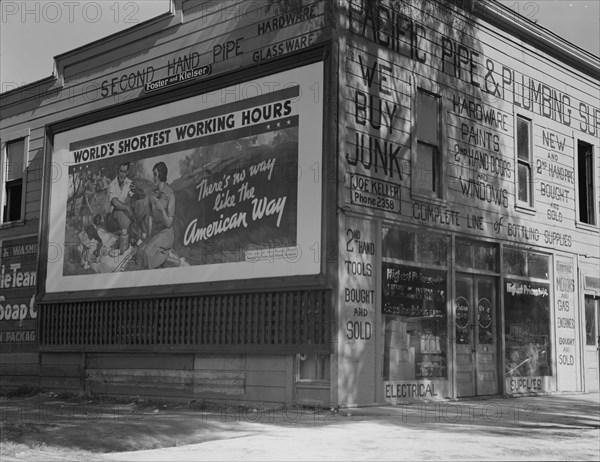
[15,311]
[125,82]
[287,19]
[478,152]
[18,309]
[17,336]
[374,193]
[564,286]
[501,81]
[358,282]
[525,384]
[590,119]
[484,191]
[282,48]
[386,25]
[409,390]
[373,110]
[481,113]
[557,178]
[435,214]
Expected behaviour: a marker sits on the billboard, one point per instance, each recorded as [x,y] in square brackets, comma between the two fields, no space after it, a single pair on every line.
[219,186]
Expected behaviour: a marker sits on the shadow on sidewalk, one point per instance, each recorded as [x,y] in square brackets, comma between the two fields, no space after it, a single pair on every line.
[74,424]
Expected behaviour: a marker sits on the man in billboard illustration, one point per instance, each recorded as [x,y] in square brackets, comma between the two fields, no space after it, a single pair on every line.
[120,216]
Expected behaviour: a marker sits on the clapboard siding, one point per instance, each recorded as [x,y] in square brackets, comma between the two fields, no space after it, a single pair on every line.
[139,361]
[404,74]
[18,369]
[218,377]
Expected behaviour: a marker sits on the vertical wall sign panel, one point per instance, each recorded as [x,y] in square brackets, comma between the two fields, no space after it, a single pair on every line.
[358,279]
[18,310]
[568,360]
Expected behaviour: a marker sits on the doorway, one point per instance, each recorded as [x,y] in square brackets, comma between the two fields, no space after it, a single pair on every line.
[476,343]
[592,343]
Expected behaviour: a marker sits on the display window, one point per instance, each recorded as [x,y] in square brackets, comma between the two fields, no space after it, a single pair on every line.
[414,306]
[527,315]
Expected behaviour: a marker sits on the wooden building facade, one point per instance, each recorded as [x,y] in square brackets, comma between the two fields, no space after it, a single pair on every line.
[350,202]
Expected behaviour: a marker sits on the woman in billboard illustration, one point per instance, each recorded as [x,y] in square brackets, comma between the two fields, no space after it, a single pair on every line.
[156,250]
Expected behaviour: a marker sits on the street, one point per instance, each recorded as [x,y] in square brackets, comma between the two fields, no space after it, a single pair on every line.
[559,427]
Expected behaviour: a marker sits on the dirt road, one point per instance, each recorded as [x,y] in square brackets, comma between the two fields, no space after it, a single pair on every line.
[45,428]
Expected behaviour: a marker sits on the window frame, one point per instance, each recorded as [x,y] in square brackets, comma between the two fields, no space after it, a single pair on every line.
[437,193]
[5,142]
[596,335]
[325,370]
[595,203]
[529,254]
[529,204]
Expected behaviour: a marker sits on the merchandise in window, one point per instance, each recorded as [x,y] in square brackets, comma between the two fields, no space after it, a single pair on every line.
[527,328]
[414,308]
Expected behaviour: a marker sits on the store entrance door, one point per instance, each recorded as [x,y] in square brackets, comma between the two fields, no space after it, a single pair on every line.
[592,343]
[475,311]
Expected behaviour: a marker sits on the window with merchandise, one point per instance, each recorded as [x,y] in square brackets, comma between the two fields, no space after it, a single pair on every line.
[414,307]
[527,314]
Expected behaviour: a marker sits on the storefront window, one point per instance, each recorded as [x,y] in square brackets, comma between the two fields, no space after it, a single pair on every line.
[515,261]
[399,244]
[538,265]
[414,308]
[414,305]
[590,320]
[527,328]
[476,255]
[408,246]
[432,249]
[522,262]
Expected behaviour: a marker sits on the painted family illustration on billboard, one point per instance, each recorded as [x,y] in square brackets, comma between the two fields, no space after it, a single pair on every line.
[219,198]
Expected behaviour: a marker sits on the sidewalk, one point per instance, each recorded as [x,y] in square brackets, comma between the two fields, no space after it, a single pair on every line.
[558,427]
[576,410]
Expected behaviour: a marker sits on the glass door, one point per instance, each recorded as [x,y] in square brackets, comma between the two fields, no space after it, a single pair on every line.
[592,343]
[475,314]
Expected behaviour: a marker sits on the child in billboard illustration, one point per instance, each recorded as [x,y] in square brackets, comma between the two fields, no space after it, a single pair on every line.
[155,251]
[89,191]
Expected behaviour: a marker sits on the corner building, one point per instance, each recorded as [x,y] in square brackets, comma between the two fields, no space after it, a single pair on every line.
[346,203]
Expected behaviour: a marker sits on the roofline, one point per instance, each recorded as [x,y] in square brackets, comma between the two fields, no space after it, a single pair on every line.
[538,36]
[56,77]
[44,80]
[117,34]
[489,10]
